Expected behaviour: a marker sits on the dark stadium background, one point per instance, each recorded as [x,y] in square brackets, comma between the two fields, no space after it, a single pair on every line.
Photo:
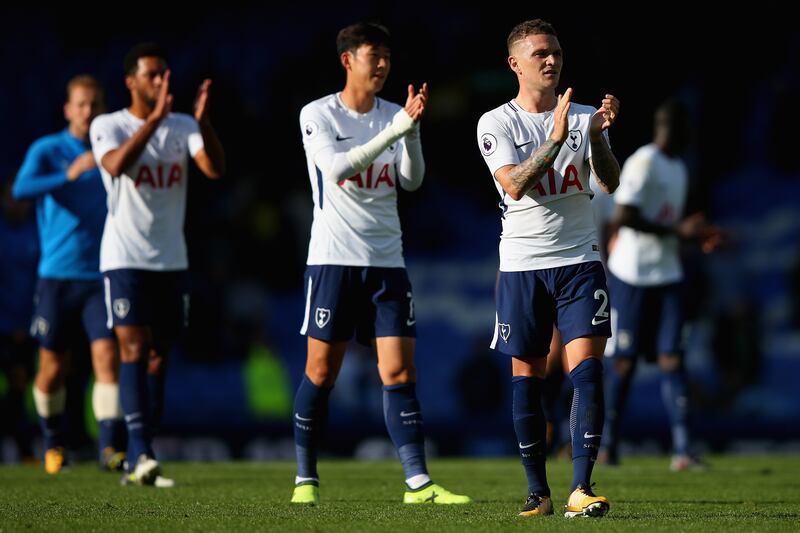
[231,384]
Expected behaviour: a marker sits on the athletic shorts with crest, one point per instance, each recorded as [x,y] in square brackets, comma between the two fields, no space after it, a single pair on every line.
[369,302]
[65,310]
[646,321]
[157,299]
[574,298]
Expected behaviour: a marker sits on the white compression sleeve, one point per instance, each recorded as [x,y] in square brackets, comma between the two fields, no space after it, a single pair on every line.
[340,165]
[361,156]
[105,401]
[49,404]
[412,164]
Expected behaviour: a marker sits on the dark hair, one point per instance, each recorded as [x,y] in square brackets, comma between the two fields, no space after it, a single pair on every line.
[353,36]
[142,50]
[88,81]
[529,27]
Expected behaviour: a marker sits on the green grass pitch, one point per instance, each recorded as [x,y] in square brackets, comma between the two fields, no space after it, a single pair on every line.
[738,493]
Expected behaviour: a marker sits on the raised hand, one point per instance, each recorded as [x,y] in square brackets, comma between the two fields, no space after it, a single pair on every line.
[416,103]
[561,117]
[82,163]
[201,102]
[163,101]
[605,116]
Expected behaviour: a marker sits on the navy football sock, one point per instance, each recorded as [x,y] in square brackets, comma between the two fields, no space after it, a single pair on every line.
[403,417]
[616,394]
[675,393]
[310,419]
[530,428]
[586,419]
[134,401]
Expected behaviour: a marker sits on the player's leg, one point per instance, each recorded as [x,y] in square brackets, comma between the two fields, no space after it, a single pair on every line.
[389,321]
[674,380]
[130,301]
[524,330]
[404,421]
[106,405]
[50,396]
[310,418]
[52,325]
[629,315]
[112,440]
[583,319]
[328,323]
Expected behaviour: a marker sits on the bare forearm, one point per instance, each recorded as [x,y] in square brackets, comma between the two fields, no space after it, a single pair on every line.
[213,147]
[604,165]
[527,174]
[116,161]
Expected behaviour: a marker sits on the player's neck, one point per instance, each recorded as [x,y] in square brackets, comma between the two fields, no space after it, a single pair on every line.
[536,101]
[357,99]
[140,109]
[79,134]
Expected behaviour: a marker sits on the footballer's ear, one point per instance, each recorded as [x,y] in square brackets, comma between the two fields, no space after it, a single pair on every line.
[129,80]
[514,64]
[345,59]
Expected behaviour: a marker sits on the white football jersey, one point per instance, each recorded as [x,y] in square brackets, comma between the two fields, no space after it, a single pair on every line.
[656,184]
[552,225]
[355,220]
[147,203]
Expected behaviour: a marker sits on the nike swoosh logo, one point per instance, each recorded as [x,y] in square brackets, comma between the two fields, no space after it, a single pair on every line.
[526,446]
[596,322]
[302,419]
[340,138]
[587,435]
[404,414]
[521,145]
[411,321]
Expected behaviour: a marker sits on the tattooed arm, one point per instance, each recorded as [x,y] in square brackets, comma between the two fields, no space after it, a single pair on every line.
[604,165]
[517,180]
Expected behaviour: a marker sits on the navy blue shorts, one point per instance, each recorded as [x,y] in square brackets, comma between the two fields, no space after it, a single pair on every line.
[65,310]
[368,301]
[529,303]
[646,320]
[156,299]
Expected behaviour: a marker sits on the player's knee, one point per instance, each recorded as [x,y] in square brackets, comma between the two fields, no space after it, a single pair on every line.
[669,362]
[321,376]
[623,367]
[133,349]
[399,375]
[50,377]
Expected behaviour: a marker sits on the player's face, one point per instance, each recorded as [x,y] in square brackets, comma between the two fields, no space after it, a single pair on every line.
[368,67]
[83,105]
[146,81]
[537,60]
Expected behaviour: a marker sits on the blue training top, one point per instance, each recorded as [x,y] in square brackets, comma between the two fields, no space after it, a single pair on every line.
[70,215]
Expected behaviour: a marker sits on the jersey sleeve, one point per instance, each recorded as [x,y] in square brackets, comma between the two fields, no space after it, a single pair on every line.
[194,139]
[496,144]
[316,130]
[35,177]
[105,136]
[633,180]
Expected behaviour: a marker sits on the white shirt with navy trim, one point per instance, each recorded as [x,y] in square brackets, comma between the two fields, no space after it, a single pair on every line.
[553,224]
[656,185]
[147,202]
[355,220]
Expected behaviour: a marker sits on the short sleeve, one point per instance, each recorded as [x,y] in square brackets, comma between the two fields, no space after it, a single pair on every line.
[496,144]
[194,139]
[316,130]
[105,136]
[632,181]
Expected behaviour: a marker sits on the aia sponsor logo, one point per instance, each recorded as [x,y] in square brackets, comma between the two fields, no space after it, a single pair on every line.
[368,180]
[159,177]
[555,183]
